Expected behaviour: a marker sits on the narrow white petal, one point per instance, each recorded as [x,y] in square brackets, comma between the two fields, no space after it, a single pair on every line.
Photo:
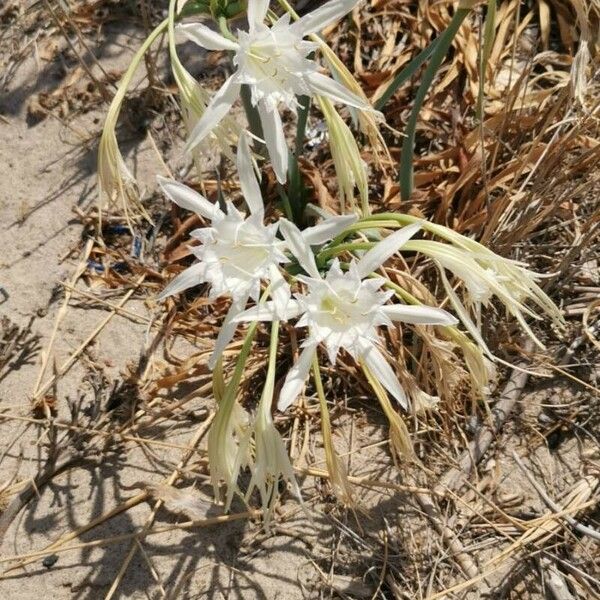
[425,315]
[227,331]
[188,198]
[207,38]
[375,257]
[327,229]
[219,106]
[319,19]
[189,278]
[248,182]
[274,139]
[325,86]
[299,247]
[379,366]
[257,11]
[279,290]
[463,313]
[267,312]
[296,378]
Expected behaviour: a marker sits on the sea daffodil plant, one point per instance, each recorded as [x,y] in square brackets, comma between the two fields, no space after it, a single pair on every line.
[338,284]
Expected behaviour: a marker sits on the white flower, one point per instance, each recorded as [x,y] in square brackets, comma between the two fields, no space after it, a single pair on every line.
[273,62]
[271,461]
[345,310]
[228,447]
[236,253]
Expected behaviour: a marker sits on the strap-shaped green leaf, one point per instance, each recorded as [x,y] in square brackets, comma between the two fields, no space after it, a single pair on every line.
[437,56]
[406,73]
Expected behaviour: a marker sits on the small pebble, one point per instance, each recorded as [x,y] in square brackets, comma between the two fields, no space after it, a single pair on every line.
[49,561]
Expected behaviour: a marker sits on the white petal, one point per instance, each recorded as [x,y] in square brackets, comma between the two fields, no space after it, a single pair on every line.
[299,247]
[319,19]
[275,140]
[327,229]
[219,106]
[375,257]
[379,366]
[462,312]
[425,315]
[248,182]
[296,378]
[192,276]
[267,312]
[188,198]
[325,86]
[279,290]
[257,11]
[227,331]
[207,38]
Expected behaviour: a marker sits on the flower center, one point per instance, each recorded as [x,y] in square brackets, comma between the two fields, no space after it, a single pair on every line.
[244,259]
[271,62]
[334,309]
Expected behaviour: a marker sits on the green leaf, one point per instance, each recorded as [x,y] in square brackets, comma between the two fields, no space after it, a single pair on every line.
[406,73]
[304,103]
[439,52]
[489,29]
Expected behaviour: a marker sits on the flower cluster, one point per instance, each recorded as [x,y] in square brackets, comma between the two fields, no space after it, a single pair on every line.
[328,281]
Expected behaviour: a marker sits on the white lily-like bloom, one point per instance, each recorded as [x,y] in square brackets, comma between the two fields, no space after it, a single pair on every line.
[345,310]
[236,254]
[273,63]
[271,462]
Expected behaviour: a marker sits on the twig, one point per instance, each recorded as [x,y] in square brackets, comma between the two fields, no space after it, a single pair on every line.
[554,580]
[61,314]
[71,360]
[99,84]
[113,307]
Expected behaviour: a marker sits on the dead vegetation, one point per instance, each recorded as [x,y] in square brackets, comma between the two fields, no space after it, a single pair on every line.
[501,497]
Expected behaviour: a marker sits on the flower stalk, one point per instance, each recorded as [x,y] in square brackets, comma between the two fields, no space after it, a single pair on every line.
[337,472]
[271,461]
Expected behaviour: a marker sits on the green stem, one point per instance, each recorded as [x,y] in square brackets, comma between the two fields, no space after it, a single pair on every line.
[304,102]
[267,395]
[294,199]
[117,100]
[232,386]
[363,225]
[224,28]
[332,251]
[325,421]
[285,201]
[321,394]
[251,113]
[387,220]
